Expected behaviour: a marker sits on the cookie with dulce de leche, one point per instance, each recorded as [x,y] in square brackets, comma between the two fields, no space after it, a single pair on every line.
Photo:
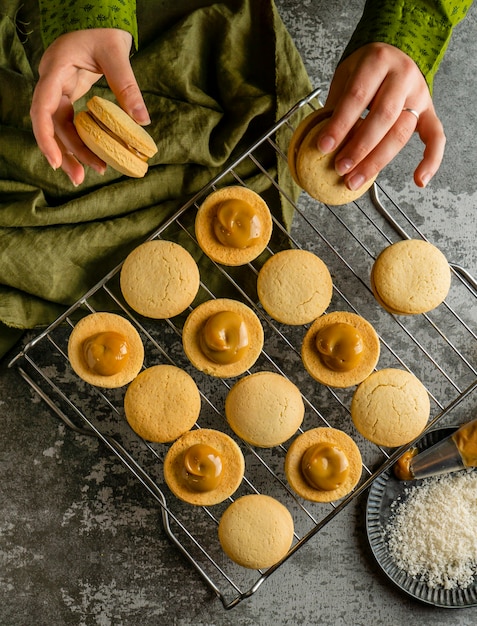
[204,467]
[323,464]
[233,225]
[222,337]
[340,349]
[105,350]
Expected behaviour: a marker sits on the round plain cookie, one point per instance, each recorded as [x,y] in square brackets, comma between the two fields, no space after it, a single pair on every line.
[193,328]
[315,172]
[410,277]
[162,403]
[264,409]
[325,435]
[159,279]
[233,467]
[318,370]
[294,286]
[390,408]
[94,325]
[204,226]
[256,531]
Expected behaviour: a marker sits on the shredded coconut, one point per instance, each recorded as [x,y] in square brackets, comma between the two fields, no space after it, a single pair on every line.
[432,534]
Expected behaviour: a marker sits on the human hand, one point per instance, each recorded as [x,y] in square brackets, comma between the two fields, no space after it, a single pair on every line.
[385,80]
[68,69]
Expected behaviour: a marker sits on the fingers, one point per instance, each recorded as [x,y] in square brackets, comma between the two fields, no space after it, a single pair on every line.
[55,133]
[432,135]
[351,93]
[377,158]
[45,102]
[122,81]
[68,69]
[384,80]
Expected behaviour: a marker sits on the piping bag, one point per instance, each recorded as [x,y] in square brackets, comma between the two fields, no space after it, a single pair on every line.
[456,452]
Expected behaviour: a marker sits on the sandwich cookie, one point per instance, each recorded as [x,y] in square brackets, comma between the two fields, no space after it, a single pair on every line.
[256,531]
[162,403]
[159,279]
[410,277]
[115,137]
[314,171]
[294,287]
[264,409]
[390,408]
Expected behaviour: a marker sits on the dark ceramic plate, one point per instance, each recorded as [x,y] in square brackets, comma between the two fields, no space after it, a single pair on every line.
[385,490]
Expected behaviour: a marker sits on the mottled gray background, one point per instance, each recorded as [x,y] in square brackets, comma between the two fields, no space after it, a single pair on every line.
[81,542]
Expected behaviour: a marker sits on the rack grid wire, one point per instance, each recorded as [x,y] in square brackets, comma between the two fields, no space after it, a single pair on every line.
[438,347]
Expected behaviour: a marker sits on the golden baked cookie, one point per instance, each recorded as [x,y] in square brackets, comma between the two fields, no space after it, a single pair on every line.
[340,349]
[410,277]
[159,279]
[162,403]
[105,350]
[233,225]
[391,407]
[323,464]
[314,171]
[115,137]
[304,127]
[294,286]
[204,467]
[222,337]
[256,531]
[264,409]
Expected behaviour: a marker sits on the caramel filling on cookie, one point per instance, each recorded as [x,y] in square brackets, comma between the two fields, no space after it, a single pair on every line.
[106,353]
[324,466]
[237,224]
[202,467]
[117,138]
[340,346]
[224,337]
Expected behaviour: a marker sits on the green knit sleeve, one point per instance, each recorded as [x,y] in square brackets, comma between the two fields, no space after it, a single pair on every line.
[63,16]
[420,28]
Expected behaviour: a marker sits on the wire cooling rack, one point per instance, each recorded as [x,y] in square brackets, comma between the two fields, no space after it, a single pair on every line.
[438,347]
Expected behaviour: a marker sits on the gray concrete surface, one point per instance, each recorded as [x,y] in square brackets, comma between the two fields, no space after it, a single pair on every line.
[82,543]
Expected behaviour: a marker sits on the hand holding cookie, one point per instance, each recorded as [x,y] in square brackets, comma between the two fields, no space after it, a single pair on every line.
[383,79]
[70,66]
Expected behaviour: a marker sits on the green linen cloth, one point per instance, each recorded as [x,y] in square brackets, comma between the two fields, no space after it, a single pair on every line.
[214,76]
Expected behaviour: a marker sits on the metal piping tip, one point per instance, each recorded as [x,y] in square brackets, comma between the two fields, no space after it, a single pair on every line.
[441,458]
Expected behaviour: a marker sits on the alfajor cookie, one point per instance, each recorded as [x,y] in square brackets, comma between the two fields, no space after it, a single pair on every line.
[256,531]
[294,286]
[159,279]
[105,350]
[314,171]
[410,277]
[222,337]
[162,403]
[233,225]
[115,137]
[204,467]
[323,464]
[391,407]
[264,409]
[340,349]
